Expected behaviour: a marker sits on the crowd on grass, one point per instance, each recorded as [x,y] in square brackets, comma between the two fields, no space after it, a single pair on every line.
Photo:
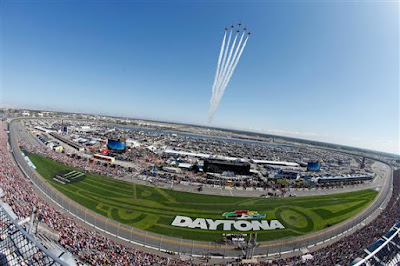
[93,248]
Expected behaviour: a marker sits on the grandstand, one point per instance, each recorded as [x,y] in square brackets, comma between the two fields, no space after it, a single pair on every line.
[67,141]
[384,251]
[345,179]
[18,247]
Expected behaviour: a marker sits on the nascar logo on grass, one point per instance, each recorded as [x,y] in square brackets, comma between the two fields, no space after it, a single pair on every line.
[244,215]
[239,223]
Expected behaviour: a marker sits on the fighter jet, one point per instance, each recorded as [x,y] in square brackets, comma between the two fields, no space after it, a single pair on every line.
[249,33]
[232,26]
[226,28]
[237,31]
[240,23]
[244,28]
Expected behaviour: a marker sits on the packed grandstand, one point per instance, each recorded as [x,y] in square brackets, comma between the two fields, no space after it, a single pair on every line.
[92,247]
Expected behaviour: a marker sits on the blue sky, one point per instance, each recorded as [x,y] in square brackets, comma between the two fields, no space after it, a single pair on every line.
[327,71]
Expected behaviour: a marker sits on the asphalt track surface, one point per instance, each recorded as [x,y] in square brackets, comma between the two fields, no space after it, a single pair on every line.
[272,249]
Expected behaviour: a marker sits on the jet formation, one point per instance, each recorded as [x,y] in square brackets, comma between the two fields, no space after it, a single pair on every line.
[239,24]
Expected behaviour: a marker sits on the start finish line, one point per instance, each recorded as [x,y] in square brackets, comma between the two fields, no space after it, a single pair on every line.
[240,225]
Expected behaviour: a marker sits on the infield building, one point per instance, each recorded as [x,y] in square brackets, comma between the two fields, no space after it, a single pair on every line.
[220,166]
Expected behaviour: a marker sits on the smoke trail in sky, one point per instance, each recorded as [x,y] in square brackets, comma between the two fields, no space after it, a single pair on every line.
[229,68]
[232,69]
[227,63]
[212,100]
[219,63]
[226,67]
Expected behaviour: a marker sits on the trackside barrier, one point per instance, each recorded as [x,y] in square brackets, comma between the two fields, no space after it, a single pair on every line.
[189,247]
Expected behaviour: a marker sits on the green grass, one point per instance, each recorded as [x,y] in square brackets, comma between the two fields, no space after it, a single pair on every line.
[153,209]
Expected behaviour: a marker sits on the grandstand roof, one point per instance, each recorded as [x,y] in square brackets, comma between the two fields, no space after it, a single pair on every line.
[275,163]
[228,158]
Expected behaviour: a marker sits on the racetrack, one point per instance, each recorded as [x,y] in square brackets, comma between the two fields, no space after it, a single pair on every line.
[153,209]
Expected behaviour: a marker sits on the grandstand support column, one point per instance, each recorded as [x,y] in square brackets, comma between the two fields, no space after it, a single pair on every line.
[180,246]
[105,225]
[145,239]
[192,247]
[85,216]
[119,225]
[30,230]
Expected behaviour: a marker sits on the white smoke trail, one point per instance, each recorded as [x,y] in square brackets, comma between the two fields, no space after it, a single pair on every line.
[228,68]
[218,66]
[227,63]
[223,74]
[221,88]
[226,51]
[225,68]
[232,70]
[223,63]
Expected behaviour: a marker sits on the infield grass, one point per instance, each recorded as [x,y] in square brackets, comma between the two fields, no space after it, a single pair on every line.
[153,209]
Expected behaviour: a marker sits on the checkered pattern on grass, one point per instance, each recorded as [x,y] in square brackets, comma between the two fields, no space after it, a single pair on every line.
[69,177]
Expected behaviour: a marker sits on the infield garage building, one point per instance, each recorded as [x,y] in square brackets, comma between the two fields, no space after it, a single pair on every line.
[219,166]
